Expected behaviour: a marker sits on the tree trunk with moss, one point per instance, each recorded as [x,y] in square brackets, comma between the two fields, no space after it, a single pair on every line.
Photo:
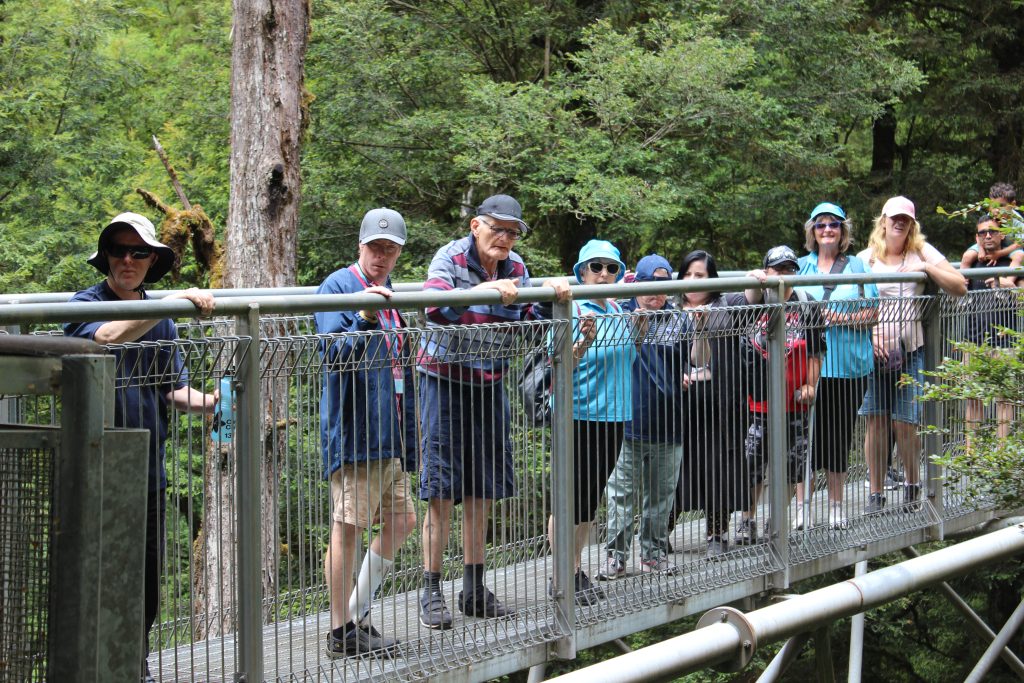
[268,115]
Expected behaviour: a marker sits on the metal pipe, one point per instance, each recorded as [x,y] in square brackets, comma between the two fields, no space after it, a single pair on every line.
[309,303]
[563,549]
[989,658]
[537,281]
[248,458]
[537,673]
[823,654]
[784,658]
[722,641]
[979,626]
[778,438]
[857,634]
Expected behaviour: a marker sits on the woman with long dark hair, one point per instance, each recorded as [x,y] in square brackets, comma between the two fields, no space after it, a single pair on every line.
[712,476]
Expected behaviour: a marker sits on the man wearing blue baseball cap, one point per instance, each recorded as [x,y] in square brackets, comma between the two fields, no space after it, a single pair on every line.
[464,410]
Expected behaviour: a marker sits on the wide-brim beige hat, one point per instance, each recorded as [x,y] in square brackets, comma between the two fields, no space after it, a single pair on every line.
[144,229]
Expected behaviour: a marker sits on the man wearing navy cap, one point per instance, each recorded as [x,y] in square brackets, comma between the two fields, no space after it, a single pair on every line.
[464,411]
[367,434]
[149,376]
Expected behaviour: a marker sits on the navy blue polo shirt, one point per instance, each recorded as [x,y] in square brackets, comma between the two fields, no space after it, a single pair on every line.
[144,377]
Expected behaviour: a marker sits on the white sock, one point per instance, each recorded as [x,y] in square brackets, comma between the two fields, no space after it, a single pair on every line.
[371,575]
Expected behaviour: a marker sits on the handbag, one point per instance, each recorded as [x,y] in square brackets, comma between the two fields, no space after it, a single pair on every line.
[895,362]
[534,387]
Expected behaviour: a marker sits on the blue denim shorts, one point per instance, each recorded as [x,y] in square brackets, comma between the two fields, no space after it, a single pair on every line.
[467,450]
[887,396]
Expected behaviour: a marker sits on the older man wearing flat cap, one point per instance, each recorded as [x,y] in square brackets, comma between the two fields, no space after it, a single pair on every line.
[464,411]
[149,377]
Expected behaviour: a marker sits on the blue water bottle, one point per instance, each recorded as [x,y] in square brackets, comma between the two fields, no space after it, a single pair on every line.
[223,431]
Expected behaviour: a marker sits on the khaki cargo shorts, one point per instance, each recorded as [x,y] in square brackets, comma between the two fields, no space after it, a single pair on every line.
[364,493]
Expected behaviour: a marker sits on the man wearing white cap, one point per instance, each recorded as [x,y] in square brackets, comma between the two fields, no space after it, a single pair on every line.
[367,434]
[149,377]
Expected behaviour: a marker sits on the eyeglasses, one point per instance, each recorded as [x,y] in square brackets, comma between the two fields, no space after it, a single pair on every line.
[135,251]
[785,270]
[514,235]
[596,267]
[987,231]
[653,278]
[834,225]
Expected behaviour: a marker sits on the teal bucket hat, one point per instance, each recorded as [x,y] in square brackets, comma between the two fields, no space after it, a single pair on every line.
[599,249]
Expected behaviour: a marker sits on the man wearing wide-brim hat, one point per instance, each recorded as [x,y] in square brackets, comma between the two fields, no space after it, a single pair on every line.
[150,376]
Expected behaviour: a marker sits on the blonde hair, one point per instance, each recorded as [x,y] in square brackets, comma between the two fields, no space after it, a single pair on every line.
[845,240]
[876,242]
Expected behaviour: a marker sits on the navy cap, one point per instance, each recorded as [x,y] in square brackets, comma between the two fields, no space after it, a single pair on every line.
[504,208]
[646,266]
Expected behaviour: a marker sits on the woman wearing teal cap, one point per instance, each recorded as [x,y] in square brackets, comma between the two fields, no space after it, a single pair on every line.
[603,349]
[850,311]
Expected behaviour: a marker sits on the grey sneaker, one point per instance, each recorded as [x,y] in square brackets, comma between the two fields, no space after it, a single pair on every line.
[876,502]
[433,612]
[717,546]
[658,565]
[613,569]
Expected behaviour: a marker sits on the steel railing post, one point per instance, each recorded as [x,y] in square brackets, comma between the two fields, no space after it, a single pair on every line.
[99,529]
[934,414]
[562,485]
[248,457]
[778,444]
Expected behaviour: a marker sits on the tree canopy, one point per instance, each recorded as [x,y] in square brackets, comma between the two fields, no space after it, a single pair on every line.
[658,125]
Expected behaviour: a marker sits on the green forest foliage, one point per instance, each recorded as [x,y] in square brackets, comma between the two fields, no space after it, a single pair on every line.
[662,125]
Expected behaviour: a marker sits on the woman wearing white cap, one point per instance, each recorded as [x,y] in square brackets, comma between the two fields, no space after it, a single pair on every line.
[897,245]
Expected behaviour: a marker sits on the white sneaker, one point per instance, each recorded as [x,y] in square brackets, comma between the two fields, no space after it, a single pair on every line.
[798,518]
[836,518]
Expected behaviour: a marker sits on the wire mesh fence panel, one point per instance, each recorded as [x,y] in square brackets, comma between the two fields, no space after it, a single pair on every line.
[353,416]
[163,386]
[988,317]
[26,496]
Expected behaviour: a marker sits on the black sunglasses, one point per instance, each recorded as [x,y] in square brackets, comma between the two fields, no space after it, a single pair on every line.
[596,267]
[135,251]
[987,231]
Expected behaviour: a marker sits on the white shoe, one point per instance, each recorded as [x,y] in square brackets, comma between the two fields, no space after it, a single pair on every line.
[836,518]
[798,518]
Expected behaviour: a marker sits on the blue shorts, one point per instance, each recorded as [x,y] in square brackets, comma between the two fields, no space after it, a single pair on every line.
[887,396]
[467,450]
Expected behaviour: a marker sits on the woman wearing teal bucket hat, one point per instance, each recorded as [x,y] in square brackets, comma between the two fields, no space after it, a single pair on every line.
[603,350]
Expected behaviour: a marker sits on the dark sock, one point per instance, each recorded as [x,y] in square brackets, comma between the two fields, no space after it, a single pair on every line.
[473,579]
[339,633]
[431,581]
